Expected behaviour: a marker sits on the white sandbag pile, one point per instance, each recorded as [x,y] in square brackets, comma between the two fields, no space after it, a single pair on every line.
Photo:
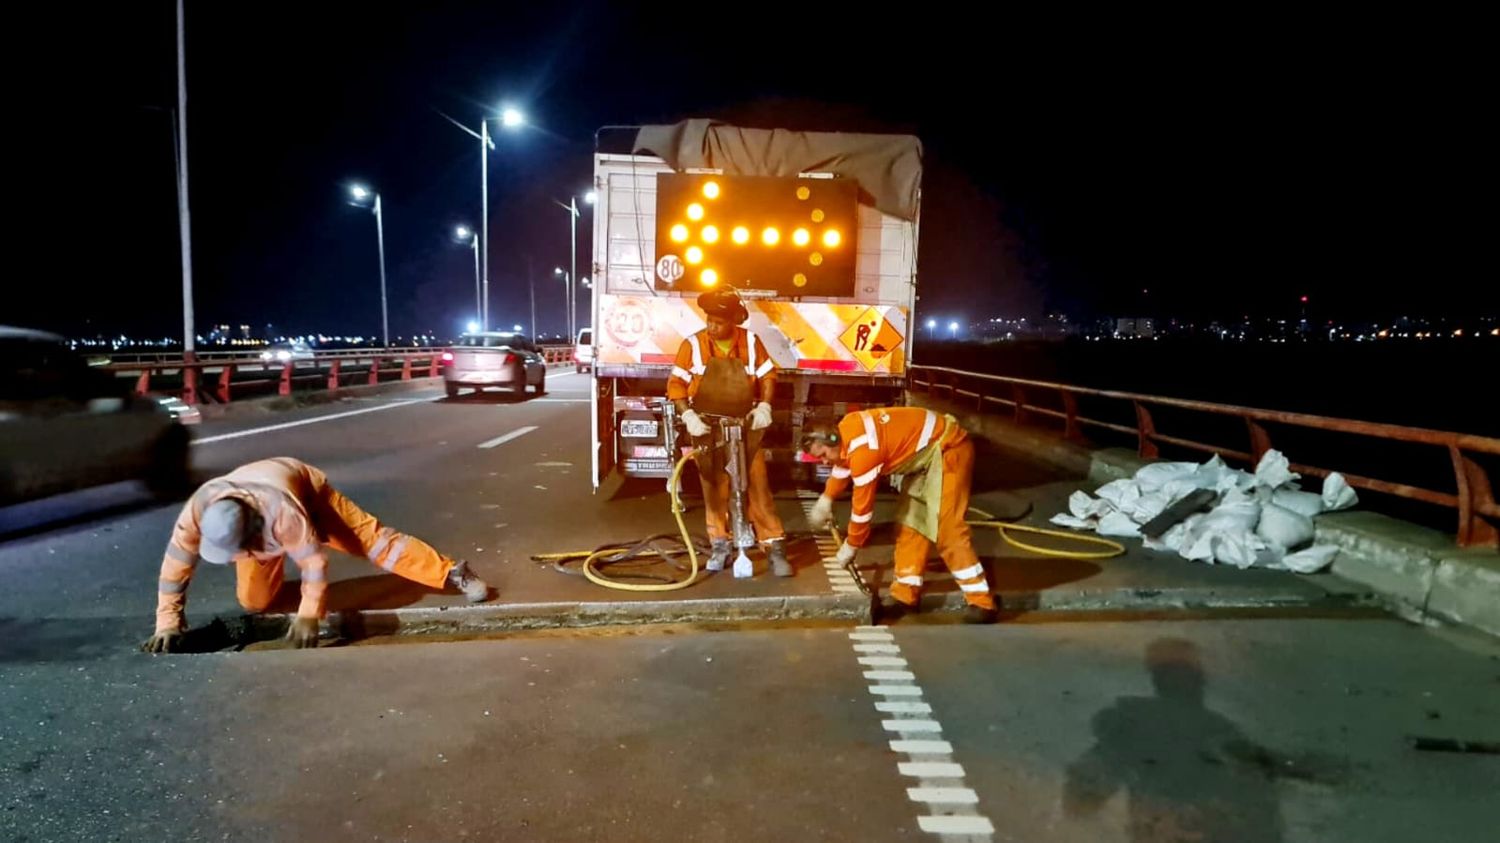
[1262,519]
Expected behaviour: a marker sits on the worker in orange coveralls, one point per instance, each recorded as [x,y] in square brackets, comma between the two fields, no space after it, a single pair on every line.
[263,512]
[725,351]
[935,459]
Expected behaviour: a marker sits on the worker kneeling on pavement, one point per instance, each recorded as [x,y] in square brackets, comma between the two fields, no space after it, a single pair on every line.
[935,459]
[722,370]
[263,512]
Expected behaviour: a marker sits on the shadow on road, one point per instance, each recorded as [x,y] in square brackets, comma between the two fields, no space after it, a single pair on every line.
[1187,771]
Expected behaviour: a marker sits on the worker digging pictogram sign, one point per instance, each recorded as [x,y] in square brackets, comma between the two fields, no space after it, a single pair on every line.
[871,338]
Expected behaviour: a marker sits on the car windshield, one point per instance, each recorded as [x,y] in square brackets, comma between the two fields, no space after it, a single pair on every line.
[586,337]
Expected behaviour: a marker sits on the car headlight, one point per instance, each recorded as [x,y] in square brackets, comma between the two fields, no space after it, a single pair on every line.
[283,356]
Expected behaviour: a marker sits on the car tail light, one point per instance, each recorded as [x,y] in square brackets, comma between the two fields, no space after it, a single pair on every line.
[447,358]
[509,359]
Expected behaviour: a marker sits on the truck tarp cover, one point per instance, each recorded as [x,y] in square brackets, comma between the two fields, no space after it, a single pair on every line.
[887,167]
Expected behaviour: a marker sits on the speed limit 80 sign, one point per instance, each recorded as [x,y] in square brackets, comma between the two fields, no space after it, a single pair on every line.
[670,269]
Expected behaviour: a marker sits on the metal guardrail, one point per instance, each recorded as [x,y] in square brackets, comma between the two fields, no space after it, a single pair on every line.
[404,364]
[1474,500]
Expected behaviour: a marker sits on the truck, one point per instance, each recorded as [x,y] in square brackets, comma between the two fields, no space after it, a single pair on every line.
[817,231]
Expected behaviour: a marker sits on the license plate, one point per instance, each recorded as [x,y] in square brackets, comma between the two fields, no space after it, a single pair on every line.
[639,428]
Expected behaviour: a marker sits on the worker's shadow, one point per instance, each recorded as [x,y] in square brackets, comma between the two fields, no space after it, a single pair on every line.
[1188,772]
[378,591]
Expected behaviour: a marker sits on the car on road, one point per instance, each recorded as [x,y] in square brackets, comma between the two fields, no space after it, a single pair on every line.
[494,358]
[583,350]
[65,425]
[288,352]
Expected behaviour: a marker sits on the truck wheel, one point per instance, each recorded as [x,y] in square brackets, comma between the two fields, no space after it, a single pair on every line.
[541,384]
[452,389]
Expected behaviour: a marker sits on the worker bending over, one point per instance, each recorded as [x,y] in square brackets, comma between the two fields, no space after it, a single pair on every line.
[263,512]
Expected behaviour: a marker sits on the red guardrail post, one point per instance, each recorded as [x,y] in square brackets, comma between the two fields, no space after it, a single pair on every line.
[432,370]
[406,368]
[1474,496]
[286,379]
[143,383]
[1145,431]
[1260,439]
[1071,429]
[333,374]
[374,372]
[1019,394]
[189,381]
[226,375]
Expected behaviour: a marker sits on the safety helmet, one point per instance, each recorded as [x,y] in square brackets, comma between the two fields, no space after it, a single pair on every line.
[724,304]
[820,433]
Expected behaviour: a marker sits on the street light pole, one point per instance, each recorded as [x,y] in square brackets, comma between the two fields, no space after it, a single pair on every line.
[484,223]
[531,288]
[183,223]
[510,118]
[573,269]
[567,299]
[385,322]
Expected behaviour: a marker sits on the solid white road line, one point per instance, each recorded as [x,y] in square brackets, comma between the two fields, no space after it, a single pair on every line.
[514,434]
[240,434]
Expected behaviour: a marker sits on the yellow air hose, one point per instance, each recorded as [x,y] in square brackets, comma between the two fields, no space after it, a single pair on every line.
[1004,527]
[590,557]
[988,520]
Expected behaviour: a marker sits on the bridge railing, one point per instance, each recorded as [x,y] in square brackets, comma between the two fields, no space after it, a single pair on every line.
[1474,498]
[219,376]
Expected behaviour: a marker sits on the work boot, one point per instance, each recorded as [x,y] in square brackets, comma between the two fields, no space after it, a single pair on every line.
[979,614]
[776,552]
[892,610]
[718,556]
[474,589]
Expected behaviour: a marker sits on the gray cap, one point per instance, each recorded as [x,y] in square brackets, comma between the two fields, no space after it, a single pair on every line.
[222,531]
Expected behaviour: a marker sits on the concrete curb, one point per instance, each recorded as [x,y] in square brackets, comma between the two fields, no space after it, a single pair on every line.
[501,617]
[1417,573]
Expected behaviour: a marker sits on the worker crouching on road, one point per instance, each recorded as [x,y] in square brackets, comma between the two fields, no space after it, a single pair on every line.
[720,369]
[935,459]
[263,512]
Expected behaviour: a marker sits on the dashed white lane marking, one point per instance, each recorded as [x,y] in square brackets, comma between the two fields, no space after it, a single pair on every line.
[240,434]
[943,795]
[839,579]
[948,806]
[514,434]
[971,826]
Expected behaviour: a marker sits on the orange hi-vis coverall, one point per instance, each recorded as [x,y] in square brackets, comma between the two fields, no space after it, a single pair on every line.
[687,372]
[299,512]
[916,444]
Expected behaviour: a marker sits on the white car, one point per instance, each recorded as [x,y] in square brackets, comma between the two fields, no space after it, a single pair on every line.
[65,426]
[583,350]
[494,358]
[287,352]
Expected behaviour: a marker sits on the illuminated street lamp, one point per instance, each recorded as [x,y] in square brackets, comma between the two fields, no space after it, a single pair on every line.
[361,196]
[468,237]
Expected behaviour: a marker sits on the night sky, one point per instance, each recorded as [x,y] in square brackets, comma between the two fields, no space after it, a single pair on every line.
[1227,164]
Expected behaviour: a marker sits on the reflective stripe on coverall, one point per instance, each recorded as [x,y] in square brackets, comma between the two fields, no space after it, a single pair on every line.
[878,441]
[300,513]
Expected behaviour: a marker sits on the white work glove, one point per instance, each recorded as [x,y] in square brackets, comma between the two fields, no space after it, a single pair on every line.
[695,425]
[760,417]
[166,641]
[845,554]
[822,513]
[303,632]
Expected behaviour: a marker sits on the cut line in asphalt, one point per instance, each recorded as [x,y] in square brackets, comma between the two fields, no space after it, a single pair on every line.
[332,417]
[501,440]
